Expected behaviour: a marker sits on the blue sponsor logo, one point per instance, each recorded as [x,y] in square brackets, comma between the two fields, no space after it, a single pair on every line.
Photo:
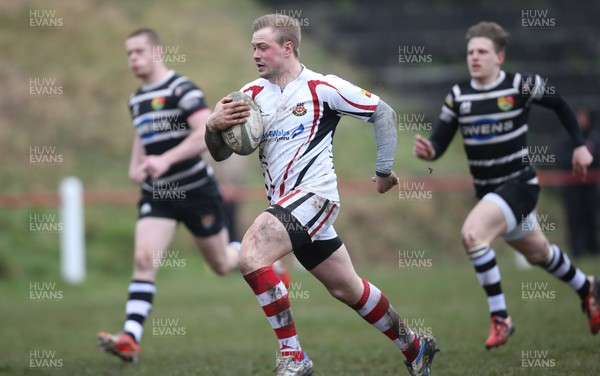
[144,128]
[486,128]
[279,134]
[297,131]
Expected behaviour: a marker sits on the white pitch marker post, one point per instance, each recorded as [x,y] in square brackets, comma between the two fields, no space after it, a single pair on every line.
[72,243]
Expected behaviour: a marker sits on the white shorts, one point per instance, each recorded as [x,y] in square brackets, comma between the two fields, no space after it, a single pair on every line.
[315,213]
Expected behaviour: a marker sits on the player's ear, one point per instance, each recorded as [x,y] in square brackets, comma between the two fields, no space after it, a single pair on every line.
[288,48]
[501,57]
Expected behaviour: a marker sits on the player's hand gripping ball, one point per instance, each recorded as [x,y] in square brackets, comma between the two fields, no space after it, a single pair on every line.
[243,139]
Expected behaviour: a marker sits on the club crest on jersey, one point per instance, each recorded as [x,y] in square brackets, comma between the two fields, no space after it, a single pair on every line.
[158,103]
[506,103]
[365,93]
[299,110]
[465,107]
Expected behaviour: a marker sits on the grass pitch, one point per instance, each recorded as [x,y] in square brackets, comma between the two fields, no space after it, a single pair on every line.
[202,324]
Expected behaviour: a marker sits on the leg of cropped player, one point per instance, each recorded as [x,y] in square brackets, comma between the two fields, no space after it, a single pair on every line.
[153,236]
[492,217]
[538,251]
[484,223]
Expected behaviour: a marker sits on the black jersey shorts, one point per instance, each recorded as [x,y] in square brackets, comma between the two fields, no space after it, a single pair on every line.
[203,215]
[521,198]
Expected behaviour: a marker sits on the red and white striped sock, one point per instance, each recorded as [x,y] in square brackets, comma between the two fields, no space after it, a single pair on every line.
[274,299]
[375,308]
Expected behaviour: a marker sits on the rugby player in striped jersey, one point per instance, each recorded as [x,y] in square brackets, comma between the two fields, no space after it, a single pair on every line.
[491,112]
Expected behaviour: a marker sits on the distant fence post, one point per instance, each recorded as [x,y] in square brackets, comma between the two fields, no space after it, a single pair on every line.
[72,243]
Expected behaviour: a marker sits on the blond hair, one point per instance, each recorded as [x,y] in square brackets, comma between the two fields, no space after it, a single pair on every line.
[285,27]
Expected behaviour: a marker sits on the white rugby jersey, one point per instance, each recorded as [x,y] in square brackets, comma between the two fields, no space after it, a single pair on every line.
[296,147]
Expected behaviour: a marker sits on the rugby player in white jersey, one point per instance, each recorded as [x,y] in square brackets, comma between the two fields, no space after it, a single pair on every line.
[491,112]
[301,109]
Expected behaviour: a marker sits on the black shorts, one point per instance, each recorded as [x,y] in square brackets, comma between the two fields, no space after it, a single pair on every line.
[520,196]
[202,215]
[308,252]
[517,199]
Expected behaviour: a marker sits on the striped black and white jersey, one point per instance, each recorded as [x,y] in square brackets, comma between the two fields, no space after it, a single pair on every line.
[159,113]
[492,120]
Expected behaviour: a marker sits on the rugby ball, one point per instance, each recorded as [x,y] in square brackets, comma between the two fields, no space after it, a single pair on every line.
[243,139]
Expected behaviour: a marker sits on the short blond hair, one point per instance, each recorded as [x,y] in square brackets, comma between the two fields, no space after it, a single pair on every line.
[492,31]
[287,29]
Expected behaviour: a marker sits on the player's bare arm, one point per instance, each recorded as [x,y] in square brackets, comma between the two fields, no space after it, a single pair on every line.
[423,149]
[384,122]
[136,169]
[384,184]
[193,145]
[582,159]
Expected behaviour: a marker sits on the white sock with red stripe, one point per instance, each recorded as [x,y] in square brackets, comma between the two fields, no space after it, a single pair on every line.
[375,308]
[274,299]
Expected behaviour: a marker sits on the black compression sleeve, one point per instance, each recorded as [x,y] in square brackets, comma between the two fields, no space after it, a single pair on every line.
[217,148]
[443,133]
[566,116]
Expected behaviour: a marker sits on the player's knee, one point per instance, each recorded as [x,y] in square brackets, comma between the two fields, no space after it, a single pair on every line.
[343,295]
[470,237]
[248,261]
[143,261]
[535,258]
[538,254]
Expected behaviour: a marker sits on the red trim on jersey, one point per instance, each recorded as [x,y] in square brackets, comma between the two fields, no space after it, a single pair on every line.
[312,85]
[280,202]
[323,221]
[357,105]
[255,90]
[361,106]
[317,114]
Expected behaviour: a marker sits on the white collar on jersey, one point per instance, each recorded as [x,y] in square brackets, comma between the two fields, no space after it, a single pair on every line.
[478,86]
[302,70]
[170,74]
